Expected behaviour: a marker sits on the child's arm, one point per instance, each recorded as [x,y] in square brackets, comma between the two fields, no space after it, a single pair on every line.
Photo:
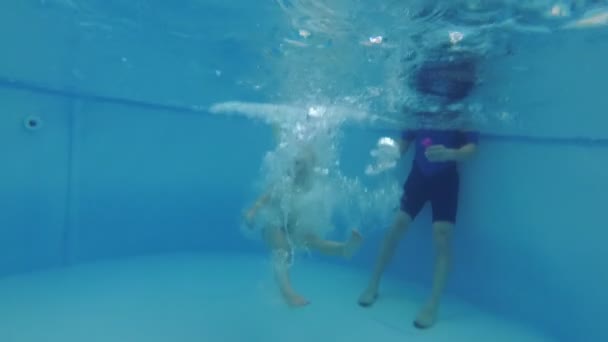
[463,153]
[439,153]
[471,138]
[260,202]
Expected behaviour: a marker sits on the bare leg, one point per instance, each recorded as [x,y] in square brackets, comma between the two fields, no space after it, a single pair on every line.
[281,253]
[387,250]
[342,249]
[442,232]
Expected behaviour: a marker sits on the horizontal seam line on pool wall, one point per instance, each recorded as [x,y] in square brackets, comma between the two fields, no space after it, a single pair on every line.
[92,97]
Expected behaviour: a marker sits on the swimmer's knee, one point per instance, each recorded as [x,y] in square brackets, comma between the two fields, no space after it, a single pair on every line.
[402,221]
[443,228]
[281,258]
[276,238]
[443,233]
[281,254]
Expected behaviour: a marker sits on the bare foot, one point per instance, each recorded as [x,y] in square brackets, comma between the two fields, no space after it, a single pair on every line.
[353,244]
[295,300]
[368,297]
[426,317]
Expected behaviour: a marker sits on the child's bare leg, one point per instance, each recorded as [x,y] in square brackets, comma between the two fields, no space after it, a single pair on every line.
[342,249]
[281,253]
[391,240]
[442,232]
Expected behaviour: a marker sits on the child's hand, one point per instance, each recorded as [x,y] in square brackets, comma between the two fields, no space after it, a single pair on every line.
[249,216]
[439,153]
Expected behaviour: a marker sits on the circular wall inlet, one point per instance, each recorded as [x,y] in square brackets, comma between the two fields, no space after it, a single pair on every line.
[32,123]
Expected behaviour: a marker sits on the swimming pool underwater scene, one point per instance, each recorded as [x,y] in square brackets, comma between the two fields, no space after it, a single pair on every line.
[303,170]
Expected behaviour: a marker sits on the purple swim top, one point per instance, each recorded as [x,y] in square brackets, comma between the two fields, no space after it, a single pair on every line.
[423,138]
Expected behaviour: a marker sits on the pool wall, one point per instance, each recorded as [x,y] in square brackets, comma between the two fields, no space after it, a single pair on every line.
[107,154]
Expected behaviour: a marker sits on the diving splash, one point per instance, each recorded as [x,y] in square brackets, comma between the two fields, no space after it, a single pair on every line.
[316,130]
[302,190]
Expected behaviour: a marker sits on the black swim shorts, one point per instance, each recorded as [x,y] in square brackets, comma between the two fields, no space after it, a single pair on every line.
[441,189]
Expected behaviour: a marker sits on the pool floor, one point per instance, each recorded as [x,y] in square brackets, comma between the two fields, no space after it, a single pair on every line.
[191,297]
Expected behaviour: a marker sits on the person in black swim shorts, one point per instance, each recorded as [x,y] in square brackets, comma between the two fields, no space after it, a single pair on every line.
[434,175]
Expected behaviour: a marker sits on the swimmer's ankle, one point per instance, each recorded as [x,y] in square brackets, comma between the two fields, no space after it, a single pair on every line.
[295,300]
[427,316]
[369,295]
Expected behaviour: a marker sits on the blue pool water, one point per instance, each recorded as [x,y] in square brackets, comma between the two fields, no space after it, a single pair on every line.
[134,137]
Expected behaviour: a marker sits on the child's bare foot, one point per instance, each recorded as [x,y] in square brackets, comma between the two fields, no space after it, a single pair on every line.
[369,296]
[426,317]
[295,300]
[353,244]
